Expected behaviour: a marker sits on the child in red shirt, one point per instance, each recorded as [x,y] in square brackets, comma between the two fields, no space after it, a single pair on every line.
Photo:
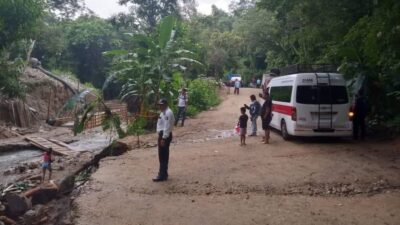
[46,165]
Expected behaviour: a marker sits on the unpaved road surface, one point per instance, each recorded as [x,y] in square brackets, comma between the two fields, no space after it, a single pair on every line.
[215,181]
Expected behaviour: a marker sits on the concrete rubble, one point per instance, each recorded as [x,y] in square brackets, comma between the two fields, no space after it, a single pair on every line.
[28,201]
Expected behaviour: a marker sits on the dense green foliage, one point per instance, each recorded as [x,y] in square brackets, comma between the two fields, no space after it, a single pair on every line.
[18,20]
[148,13]
[203,94]
[361,36]
[10,86]
[88,37]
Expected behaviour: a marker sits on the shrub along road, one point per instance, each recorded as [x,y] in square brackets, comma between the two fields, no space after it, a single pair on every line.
[215,181]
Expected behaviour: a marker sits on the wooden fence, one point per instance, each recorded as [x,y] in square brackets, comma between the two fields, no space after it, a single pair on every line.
[96,119]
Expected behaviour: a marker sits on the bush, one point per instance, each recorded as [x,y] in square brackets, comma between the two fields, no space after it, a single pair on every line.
[203,94]
[10,85]
[191,110]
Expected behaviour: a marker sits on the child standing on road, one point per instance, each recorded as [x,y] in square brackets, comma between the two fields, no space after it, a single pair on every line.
[46,165]
[243,126]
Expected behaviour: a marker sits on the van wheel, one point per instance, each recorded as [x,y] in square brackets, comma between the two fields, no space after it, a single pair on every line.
[285,134]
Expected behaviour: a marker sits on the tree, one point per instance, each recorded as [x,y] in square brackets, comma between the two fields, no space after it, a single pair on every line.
[360,36]
[372,34]
[239,7]
[51,42]
[88,37]
[65,8]
[188,9]
[147,68]
[18,20]
[148,13]
[137,127]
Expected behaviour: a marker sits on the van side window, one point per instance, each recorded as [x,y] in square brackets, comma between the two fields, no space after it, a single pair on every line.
[281,94]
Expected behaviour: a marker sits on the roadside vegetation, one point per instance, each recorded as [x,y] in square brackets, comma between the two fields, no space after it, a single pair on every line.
[146,54]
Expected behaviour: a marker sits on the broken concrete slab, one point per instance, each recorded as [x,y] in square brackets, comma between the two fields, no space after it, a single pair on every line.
[66,185]
[44,195]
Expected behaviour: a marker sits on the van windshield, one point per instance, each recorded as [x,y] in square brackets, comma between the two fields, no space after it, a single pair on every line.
[322,95]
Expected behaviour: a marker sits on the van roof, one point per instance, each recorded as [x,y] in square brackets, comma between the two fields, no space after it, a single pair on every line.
[307,68]
[333,75]
[309,78]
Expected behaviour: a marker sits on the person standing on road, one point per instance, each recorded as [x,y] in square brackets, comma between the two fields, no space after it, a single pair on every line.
[183,100]
[237,86]
[266,115]
[165,124]
[359,115]
[243,126]
[254,108]
[258,83]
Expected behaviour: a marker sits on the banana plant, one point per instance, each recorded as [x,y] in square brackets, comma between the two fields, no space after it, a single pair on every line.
[110,122]
[150,64]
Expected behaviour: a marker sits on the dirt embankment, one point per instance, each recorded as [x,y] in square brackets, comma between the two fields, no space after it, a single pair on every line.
[44,98]
[215,181]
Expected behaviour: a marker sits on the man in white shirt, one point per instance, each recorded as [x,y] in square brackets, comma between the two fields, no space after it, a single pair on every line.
[183,100]
[165,124]
[237,87]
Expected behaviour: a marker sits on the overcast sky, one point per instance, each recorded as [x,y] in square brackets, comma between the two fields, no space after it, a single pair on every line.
[106,8]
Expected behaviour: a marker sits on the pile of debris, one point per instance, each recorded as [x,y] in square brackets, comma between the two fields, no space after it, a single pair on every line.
[24,202]
[22,168]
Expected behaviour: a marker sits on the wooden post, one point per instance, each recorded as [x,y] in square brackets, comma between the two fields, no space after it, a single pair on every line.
[48,106]
[13,111]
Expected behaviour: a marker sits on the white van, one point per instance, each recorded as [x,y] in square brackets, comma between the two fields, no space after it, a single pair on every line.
[311,104]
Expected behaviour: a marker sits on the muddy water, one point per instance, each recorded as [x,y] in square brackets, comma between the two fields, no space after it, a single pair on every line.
[12,159]
[95,143]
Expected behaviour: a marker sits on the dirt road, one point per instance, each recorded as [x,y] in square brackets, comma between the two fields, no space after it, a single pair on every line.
[215,181]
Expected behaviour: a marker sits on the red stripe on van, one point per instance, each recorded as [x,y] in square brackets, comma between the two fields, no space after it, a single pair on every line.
[284,109]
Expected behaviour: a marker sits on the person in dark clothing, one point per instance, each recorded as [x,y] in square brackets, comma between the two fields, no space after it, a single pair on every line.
[243,126]
[359,108]
[266,115]
[254,108]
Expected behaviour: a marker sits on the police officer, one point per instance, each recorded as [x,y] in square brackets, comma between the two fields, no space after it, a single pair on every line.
[165,124]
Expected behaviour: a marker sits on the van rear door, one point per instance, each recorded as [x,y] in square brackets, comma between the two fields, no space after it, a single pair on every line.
[322,107]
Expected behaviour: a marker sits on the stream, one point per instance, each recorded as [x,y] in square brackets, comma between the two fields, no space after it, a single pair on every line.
[94,144]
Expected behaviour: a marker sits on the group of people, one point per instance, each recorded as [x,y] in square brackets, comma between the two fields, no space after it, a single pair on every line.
[166,122]
[237,84]
[256,110]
